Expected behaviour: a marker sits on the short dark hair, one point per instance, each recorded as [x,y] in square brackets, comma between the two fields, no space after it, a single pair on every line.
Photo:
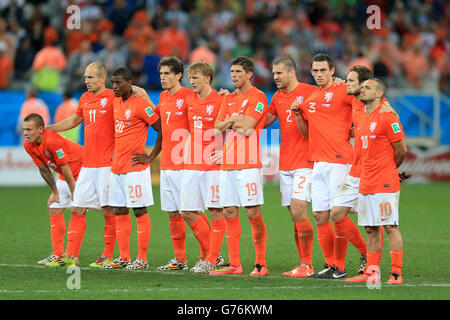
[36,118]
[380,85]
[363,72]
[287,61]
[245,62]
[123,72]
[175,64]
[322,57]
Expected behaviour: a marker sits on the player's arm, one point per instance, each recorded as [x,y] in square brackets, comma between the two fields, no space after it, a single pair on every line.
[140,158]
[141,92]
[221,126]
[67,174]
[245,125]
[47,175]
[66,124]
[270,119]
[302,124]
[386,107]
[400,150]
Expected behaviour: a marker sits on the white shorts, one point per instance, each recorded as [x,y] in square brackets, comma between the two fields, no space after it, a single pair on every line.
[199,190]
[170,187]
[92,188]
[131,190]
[241,188]
[348,193]
[65,196]
[379,209]
[326,180]
[295,184]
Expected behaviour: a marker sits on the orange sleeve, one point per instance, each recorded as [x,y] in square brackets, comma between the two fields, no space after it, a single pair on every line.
[393,127]
[146,112]
[257,107]
[272,106]
[79,111]
[223,110]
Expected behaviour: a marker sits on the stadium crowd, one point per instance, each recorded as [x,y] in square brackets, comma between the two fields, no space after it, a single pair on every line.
[409,50]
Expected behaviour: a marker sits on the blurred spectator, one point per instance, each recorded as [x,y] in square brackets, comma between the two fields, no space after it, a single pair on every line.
[150,69]
[76,65]
[415,64]
[32,104]
[173,41]
[120,15]
[6,67]
[24,60]
[203,53]
[65,110]
[111,56]
[7,39]
[48,64]
[140,32]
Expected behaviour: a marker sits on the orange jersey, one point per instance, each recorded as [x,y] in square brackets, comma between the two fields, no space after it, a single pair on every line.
[239,151]
[175,127]
[329,115]
[98,116]
[202,114]
[378,171]
[54,151]
[132,118]
[294,148]
[358,116]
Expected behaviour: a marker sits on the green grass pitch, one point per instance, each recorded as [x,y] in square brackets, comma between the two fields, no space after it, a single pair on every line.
[25,239]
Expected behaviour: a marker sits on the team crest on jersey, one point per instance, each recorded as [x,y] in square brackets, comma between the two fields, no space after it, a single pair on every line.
[372,127]
[209,109]
[299,99]
[127,113]
[103,102]
[328,96]
[60,153]
[179,103]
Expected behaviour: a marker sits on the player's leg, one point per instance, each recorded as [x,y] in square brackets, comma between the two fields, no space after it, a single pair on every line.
[170,202]
[57,234]
[143,237]
[118,200]
[396,252]
[109,230]
[216,236]
[229,200]
[192,208]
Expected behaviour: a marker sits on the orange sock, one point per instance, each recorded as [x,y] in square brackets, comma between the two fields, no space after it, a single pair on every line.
[259,234]
[342,229]
[75,234]
[177,228]
[297,240]
[110,236]
[233,236]
[123,231]
[205,217]
[216,239]
[57,232]
[396,261]
[373,264]
[350,231]
[325,234]
[306,239]
[143,235]
[201,232]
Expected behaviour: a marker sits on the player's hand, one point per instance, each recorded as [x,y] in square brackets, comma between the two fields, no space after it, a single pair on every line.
[403,176]
[138,92]
[216,156]
[53,198]
[140,158]
[295,108]
[223,92]
[386,107]
[337,81]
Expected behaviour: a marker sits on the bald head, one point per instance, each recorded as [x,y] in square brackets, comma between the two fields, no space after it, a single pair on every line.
[95,77]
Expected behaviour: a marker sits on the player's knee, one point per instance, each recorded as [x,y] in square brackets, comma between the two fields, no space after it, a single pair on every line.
[230,212]
[253,211]
[337,213]
[119,211]
[321,217]
[78,210]
[391,229]
[139,212]
[216,213]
